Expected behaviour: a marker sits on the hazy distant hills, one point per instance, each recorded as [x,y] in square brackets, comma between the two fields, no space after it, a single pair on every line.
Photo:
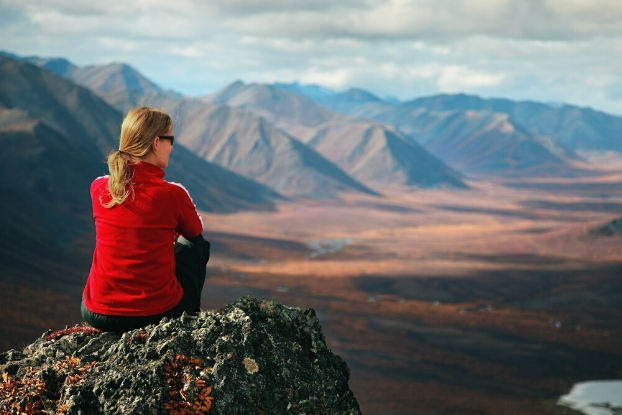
[573,127]
[373,153]
[471,140]
[234,139]
[570,127]
[426,142]
[290,111]
[484,142]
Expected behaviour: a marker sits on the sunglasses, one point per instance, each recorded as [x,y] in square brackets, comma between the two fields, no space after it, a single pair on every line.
[168,137]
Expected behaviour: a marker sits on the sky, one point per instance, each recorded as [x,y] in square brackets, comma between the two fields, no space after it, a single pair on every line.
[553,51]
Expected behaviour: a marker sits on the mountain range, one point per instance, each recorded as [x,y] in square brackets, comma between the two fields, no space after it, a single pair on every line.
[571,127]
[372,152]
[55,137]
[427,142]
[251,146]
[236,140]
[257,143]
[479,139]
[257,140]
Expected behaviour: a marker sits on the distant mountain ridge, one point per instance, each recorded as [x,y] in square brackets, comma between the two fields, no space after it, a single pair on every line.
[248,146]
[371,152]
[571,126]
[310,91]
[121,85]
[472,135]
[241,141]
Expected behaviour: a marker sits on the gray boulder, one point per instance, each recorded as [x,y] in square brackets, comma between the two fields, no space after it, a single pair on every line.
[251,357]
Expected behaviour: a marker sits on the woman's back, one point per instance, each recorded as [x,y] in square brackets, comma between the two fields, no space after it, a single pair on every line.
[133,271]
[142,271]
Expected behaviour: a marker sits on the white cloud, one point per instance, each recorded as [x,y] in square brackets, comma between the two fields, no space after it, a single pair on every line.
[337,79]
[455,78]
[548,50]
[438,19]
[309,47]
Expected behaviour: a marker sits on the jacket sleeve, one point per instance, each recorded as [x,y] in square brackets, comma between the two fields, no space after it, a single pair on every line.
[189,222]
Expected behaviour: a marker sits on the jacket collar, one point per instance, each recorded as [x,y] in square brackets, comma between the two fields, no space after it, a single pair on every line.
[147,168]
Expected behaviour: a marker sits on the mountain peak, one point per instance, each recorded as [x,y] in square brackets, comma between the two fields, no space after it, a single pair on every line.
[58,66]
[311,91]
[225,94]
[113,77]
[356,95]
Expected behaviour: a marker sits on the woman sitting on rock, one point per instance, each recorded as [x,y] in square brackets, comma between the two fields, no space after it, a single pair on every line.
[150,257]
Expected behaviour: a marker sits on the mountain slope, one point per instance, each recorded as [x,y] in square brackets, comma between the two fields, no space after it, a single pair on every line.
[55,138]
[369,151]
[91,128]
[284,164]
[470,140]
[488,143]
[118,84]
[249,145]
[573,127]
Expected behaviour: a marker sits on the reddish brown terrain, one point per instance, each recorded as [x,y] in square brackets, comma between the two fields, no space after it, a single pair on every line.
[493,300]
[488,301]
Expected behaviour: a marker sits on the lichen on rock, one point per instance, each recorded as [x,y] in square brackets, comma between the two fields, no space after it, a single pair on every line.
[251,357]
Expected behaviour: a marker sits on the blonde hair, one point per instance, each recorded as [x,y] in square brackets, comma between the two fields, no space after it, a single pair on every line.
[138,130]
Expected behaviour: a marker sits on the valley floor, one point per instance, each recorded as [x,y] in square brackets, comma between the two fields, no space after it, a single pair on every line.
[493,300]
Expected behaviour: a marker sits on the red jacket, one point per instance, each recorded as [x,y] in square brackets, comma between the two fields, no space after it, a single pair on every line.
[133,270]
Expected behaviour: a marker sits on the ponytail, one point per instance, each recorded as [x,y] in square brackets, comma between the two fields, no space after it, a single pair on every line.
[120,181]
[138,130]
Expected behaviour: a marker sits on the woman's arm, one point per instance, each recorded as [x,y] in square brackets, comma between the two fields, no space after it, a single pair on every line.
[189,222]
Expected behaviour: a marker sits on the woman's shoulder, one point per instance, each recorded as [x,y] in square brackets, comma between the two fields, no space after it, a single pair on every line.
[177,188]
[99,182]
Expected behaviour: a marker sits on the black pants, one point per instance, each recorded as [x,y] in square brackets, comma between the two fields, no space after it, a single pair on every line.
[191,256]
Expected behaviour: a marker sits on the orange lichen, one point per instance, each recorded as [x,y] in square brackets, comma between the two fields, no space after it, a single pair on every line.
[64,365]
[189,393]
[24,396]
[68,365]
[21,396]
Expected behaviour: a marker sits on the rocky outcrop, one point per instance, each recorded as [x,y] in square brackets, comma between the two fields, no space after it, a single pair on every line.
[251,357]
